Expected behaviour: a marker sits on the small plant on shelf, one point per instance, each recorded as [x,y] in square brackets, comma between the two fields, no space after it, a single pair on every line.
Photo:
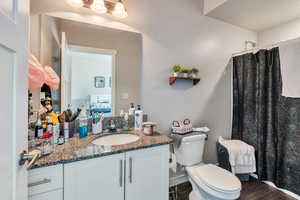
[176,70]
[194,72]
[185,72]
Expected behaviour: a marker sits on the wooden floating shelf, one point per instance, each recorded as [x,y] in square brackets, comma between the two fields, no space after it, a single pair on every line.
[173,79]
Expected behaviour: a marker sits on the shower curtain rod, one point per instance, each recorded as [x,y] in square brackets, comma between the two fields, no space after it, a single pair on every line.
[266,46]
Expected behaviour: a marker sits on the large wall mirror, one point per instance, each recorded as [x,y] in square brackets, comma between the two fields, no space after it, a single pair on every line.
[99,67]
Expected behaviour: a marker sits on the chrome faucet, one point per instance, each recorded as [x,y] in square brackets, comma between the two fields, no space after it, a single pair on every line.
[112,126]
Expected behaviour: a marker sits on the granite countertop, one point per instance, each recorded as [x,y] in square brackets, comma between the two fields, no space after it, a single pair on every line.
[76,149]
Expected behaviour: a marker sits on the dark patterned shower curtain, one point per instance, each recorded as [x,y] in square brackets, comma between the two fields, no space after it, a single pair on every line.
[265,119]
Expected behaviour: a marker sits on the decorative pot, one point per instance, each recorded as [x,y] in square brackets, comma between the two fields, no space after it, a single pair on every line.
[176,74]
[193,75]
[185,75]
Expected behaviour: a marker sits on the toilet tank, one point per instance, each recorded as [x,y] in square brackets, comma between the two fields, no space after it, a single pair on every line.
[190,151]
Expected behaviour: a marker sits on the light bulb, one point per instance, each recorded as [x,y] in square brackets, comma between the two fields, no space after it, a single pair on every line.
[76,3]
[119,10]
[99,6]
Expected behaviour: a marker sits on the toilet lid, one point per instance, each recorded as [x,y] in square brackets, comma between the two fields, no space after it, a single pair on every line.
[216,178]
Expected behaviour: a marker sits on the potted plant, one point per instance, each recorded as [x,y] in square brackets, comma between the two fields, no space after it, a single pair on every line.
[176,70]
[194,72]
[185,72]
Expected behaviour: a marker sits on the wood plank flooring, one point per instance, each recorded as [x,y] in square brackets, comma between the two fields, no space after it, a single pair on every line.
[255,190]
[252,190]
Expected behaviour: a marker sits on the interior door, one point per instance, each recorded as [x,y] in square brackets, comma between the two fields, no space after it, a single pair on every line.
[147,174]
[14,15]
[65,73]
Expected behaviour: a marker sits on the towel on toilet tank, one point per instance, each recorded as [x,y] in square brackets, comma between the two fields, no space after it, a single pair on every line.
[241,156]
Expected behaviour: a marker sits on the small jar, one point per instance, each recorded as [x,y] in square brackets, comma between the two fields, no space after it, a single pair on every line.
[149,128]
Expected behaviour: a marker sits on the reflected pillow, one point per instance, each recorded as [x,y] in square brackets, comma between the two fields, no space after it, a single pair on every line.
[52,79]
[36,73]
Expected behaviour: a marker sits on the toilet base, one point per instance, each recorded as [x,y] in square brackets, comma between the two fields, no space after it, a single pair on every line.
[199,194]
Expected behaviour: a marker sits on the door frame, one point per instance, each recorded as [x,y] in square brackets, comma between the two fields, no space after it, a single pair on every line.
[14,45]
[111,52]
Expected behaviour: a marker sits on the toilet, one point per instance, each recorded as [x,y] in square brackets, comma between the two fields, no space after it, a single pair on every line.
[209,181]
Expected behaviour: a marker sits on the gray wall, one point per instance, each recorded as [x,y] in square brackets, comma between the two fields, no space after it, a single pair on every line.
[128,58]
[175,32]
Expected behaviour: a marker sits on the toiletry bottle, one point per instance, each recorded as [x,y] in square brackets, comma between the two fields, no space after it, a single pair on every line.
[38,129]
[83,124]
[126,122]
[66,131]
[96,127]
[122,113]
[138,119]
[131,109]
[55,133]
[49,128]
[44,125]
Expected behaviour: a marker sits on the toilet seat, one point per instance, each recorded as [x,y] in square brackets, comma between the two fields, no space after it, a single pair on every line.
[215,180]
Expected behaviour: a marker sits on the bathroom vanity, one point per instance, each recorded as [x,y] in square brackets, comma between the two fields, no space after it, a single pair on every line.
[81,170]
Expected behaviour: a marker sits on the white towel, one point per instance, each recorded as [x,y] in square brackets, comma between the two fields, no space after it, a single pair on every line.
[241,156]
[290,69]
[201,129]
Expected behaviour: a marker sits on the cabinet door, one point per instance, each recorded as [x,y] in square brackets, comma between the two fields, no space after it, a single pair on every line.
[147,174]
[54,195]
[95,179]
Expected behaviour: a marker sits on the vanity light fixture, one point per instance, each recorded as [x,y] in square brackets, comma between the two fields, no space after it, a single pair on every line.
[99,6]
[114,8]
[119,10]
[76,3]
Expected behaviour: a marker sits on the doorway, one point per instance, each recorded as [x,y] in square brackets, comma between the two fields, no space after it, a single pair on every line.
[92,79]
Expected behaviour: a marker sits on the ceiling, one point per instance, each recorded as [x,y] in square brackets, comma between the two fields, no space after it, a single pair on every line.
[257,15]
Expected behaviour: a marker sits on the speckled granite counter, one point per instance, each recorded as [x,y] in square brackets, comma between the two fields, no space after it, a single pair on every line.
[80,149]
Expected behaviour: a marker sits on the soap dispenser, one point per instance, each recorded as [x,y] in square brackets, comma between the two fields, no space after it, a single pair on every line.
[138,119]
[131,109]
[126,126]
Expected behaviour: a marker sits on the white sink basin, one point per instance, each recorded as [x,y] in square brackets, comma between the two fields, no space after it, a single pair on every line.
[115,139]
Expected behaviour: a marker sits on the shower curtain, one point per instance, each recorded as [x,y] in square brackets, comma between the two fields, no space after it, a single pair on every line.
[265,119]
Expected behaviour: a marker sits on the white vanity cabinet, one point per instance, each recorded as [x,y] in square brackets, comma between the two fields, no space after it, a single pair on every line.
[147,174]
[95,179]
[46,183]
[134,175]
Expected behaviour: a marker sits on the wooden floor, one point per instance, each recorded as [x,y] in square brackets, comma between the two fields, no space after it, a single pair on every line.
[258,191]
[252,190]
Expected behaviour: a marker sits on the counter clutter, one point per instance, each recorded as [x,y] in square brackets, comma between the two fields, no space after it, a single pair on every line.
[76,149]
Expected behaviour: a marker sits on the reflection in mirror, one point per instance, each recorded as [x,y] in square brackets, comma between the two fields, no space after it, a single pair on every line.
[99,68]
[92,79]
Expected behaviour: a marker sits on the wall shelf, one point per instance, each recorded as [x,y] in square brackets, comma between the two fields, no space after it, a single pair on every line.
[173,79]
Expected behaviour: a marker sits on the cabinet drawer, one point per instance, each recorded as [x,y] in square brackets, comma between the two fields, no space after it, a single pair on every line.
[53,195]
[45,179]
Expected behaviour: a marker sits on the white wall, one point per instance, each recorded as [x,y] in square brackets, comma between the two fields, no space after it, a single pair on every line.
[280,33]
[175,32]
[85,66]
[209,5]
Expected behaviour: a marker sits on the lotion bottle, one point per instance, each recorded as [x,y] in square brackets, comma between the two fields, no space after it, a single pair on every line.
[131,109]
[38,129]
[138,119]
